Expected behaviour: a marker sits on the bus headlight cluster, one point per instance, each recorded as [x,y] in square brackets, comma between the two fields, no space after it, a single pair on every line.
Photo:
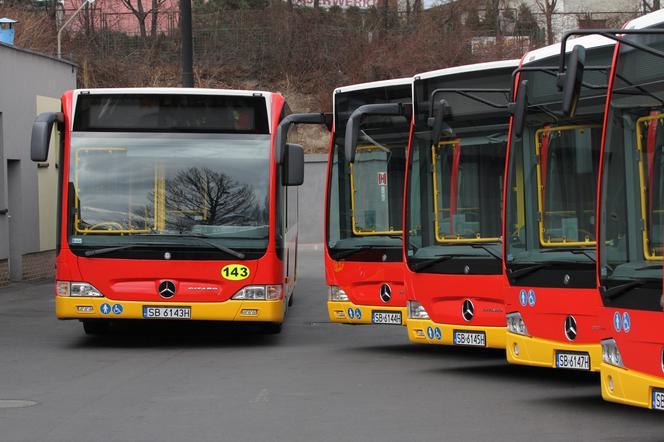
[337,294]
[79,289]
[516,325]
[417,311]
[259,293]
[610,353]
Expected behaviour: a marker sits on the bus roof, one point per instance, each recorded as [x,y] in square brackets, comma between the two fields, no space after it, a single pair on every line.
[373,84]
[646,21]
[468,68]
[551,51]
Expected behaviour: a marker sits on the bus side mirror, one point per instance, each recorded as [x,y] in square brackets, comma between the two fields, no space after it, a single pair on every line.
[437,121]
[293,166]
[41,134]
[520,108]
[287,122]
[571,81]
[353,124]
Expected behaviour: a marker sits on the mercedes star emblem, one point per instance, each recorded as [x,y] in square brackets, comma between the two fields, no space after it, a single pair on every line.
[570,328]
[167,289]
[385,293]
[468,310]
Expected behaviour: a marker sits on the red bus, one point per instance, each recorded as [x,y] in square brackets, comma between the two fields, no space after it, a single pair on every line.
[456,161]
[549,228]
[366,169]
[174,204]
[631,214]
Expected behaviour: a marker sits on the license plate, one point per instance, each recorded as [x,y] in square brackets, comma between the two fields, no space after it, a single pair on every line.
[150,312]
[472,338]
[658,399]
[393,318]
[573,361]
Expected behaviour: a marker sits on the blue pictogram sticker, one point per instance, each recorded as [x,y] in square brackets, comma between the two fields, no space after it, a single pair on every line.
[430,332]
[437,333]
[117,309]
[523,297]
[105,308]
[358,313]
[351,313]
[617,321]
[626,322]
[531,297]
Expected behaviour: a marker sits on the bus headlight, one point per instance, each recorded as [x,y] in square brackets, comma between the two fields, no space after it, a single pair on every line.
[259,293]
[516,325]
[78,289]
[337,294]
[417,311]
[610,353]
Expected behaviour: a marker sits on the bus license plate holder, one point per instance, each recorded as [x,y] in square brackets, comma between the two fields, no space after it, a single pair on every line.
[573,360]
[469,338]
[385,318]
[657,399]
[170,312]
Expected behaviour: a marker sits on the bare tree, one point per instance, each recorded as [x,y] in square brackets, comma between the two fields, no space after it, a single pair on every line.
[548,7]
[137,8]
[651,6]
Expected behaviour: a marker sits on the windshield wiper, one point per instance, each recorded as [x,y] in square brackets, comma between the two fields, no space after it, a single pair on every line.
[517,274]
[649,267]
[619,290]
[347,253]
[487,249]
[433,261]
[202,238]
[571,250]
[105,250]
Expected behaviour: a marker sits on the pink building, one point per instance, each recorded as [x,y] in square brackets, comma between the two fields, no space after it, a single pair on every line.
[123,15]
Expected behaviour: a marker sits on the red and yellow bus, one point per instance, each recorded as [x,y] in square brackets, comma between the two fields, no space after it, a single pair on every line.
[631,214]
[174,204]
[550,200]
[452,212]
[366,169]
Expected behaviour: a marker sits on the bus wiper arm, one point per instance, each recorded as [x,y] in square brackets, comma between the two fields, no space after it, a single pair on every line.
[517,274]
[433,261]
[619,290]
[649,267]
[488,250]
[105,250]
[347,253]
[202,238]
[571,250]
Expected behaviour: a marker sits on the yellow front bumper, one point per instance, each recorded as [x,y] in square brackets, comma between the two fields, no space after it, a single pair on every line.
[347,312]
[629,387]
[542,352]
[231,310]
[425,331]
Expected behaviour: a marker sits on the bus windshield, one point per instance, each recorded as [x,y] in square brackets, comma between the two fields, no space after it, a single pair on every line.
[553,170]
[365,197]
[632,182]
[132,188]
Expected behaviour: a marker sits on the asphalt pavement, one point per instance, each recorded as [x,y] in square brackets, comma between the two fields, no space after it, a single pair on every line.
[316,381]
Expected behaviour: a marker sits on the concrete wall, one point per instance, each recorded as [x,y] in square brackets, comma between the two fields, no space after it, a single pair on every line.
[26,78]
[312,200]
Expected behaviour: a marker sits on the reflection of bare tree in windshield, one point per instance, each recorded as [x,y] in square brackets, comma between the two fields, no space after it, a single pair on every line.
[201,196]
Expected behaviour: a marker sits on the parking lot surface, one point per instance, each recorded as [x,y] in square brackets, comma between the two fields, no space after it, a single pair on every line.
[315,381]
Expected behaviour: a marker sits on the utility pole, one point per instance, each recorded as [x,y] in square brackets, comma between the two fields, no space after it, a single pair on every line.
[187,49]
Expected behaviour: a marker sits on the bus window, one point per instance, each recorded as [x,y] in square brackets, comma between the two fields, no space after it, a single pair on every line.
[650,143]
